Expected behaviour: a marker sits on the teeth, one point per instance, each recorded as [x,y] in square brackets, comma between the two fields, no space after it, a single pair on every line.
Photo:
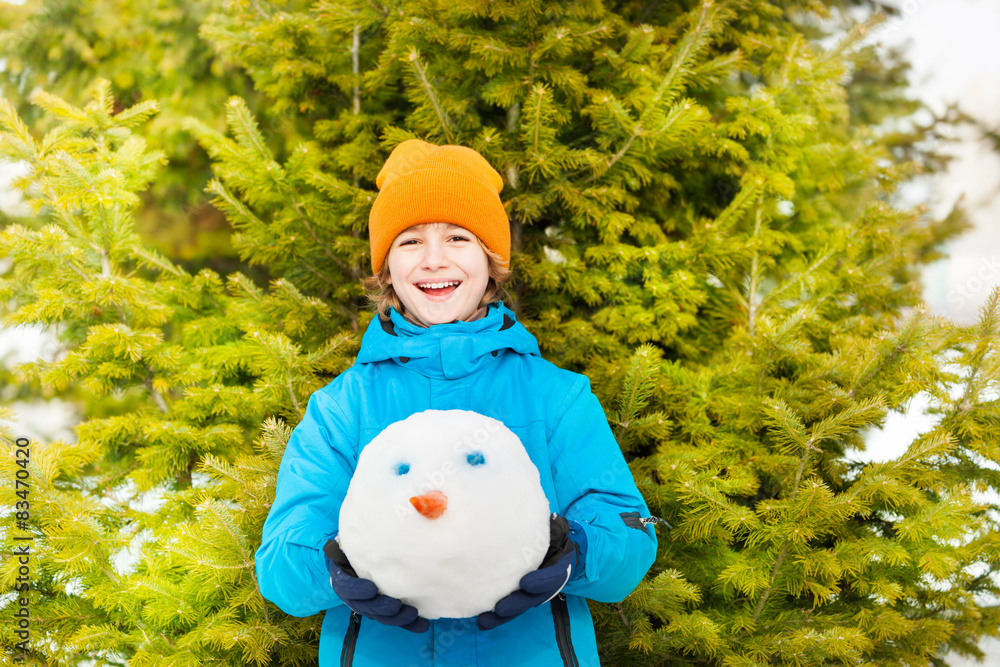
[437,285]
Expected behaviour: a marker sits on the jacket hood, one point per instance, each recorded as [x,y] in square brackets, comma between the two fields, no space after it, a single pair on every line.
[449,350]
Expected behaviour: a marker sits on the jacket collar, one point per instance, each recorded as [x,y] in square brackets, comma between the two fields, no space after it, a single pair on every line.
[449,350]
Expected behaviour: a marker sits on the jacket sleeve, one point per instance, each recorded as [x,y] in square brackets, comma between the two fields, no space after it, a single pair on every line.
[595,488]
[313,477]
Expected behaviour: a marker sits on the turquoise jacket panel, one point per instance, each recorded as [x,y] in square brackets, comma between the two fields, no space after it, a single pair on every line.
[492,366]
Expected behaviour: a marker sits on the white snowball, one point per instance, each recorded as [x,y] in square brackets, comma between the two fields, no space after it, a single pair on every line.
[494,530]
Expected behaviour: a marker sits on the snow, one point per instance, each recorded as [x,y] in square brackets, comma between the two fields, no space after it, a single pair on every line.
[494,528]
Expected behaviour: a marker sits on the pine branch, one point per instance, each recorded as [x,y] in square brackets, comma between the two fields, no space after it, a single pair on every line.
[83,182]
[446,125]
[287,288]
[986,328]
[753,281]
[137,114]
[790,430]
[772,578]
[152,258]
[21,145]
[902,345]
[274,437]
[59,107]
[295,400]
[156,395]
[239,283]
[793,429]
[854,36]
[820,261]
[245,128]
[222,517]
[538,93]
[269,343]
[316,272]
[355,69]
[693,41]
[637,388]
[855,416]
[770,586]
[293,199]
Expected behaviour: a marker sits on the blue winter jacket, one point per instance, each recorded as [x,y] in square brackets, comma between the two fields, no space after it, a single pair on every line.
[492,366]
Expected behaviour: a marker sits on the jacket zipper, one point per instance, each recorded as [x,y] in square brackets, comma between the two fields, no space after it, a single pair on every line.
[350,639]
[560,615]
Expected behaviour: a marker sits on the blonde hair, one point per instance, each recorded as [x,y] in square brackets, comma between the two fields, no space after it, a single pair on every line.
[382,295]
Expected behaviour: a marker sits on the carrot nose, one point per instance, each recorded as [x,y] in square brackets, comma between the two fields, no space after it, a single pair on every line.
[431,505]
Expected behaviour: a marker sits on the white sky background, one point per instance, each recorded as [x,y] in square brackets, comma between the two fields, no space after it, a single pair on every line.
[954,48]
[955,53]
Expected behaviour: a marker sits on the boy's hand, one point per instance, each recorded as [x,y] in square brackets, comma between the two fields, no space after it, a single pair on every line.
[541,585]
[362,595]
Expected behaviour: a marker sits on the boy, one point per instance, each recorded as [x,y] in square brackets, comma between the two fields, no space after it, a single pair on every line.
[443,339]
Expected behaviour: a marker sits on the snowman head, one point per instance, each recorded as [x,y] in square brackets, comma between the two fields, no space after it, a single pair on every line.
[443,466]
[441,492]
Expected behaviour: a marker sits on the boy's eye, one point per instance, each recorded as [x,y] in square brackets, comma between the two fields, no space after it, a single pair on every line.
[402,468]
[475,459]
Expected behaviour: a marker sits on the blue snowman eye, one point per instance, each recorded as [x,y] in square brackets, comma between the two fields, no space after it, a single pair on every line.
[403,468]
[475,459]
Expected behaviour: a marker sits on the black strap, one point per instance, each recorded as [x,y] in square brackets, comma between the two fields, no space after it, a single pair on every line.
[559,542]
[337,555]
[633,520]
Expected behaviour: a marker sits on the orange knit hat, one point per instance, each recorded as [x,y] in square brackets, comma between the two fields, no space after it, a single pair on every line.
[422,183]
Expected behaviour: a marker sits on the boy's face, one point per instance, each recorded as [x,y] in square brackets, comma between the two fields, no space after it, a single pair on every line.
[434,253]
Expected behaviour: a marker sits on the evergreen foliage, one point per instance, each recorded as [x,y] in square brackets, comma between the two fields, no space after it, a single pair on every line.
[702,218]
[148,50]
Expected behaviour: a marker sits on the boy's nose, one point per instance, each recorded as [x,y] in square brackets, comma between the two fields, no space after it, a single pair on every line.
[435,255]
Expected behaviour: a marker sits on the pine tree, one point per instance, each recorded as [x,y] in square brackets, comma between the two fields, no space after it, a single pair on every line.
[148,51]
[702,223]
[190,371]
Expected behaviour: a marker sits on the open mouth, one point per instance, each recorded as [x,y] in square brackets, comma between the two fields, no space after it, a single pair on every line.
[442,288]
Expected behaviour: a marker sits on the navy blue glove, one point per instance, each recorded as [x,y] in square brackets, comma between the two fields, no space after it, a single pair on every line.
[541,585]
[362,595]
